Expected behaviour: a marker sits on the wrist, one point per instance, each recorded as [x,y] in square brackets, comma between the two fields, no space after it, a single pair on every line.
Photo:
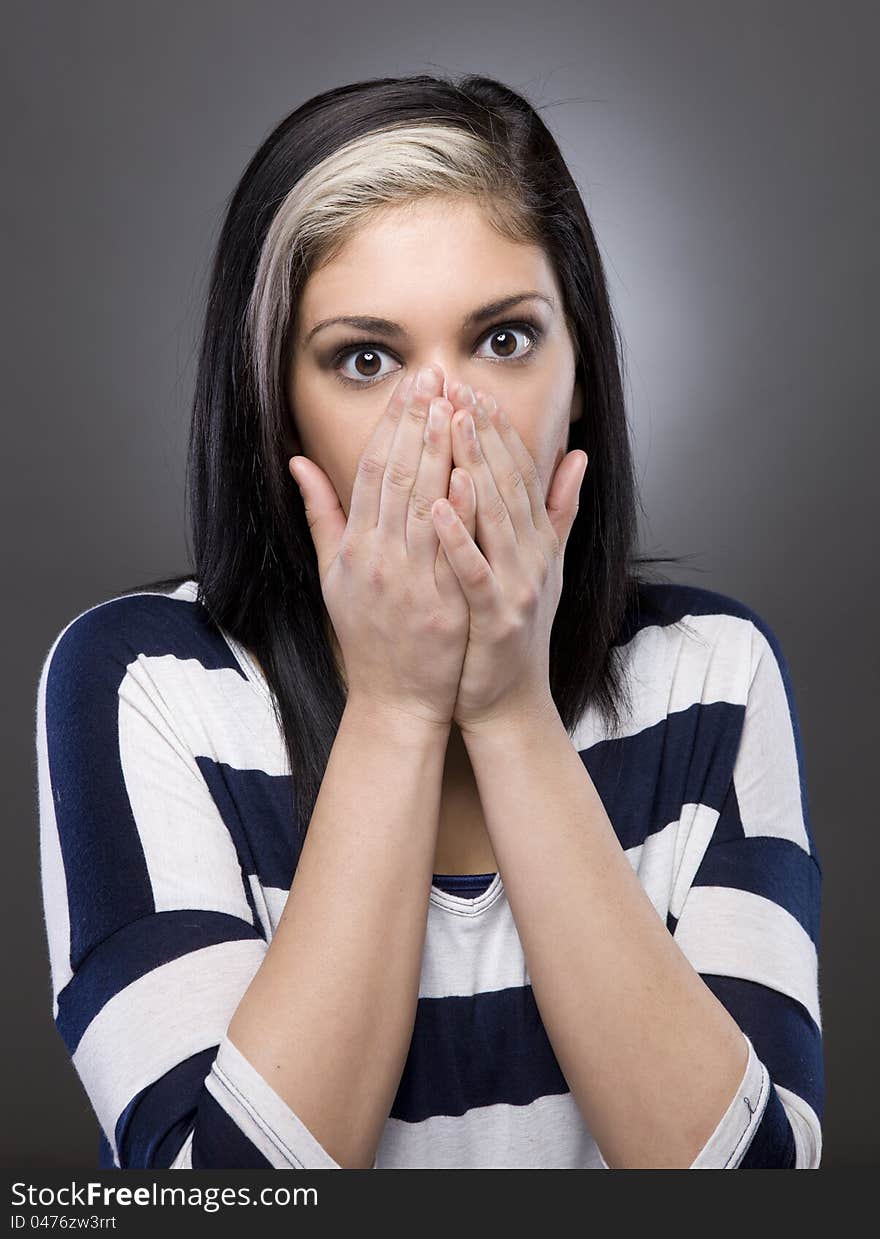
[515,723]
[402,724]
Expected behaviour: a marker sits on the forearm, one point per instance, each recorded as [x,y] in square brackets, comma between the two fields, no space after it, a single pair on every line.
[651,1056]
[328,1017]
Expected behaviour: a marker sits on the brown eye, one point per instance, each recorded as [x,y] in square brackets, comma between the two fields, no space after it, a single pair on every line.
[359,365]
[372,364]
[507,343]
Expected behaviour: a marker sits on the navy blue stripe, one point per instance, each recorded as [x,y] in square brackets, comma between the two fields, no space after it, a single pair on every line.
[772,1147]
[784,1034]
[133,952]
[776,869]
[479,1050]
[218,1142]
[668,603]
[105,1153]
[465,885]
[153,1126]
[686,758]
[256,810]
[106,873]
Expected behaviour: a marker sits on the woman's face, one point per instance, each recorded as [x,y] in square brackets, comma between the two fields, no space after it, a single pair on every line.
[425,268]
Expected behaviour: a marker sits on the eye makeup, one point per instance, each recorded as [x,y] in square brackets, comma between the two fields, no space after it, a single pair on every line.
[531,329]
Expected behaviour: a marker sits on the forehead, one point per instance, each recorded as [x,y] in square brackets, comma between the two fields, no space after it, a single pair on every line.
[440,247]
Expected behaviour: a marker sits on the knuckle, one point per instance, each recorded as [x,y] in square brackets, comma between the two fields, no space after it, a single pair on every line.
[438,625]
[417,411]
[370,467]
[420,507]
[480,576]
[515,480]
[377,571]
[473,452]
[496,512]
[513,625]
[530,474]
[528,598]
[481,417]
[398,475]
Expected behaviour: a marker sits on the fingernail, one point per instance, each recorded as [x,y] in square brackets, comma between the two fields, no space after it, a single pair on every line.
[428,382]
[435,417]
[469,427]
[446,513]
[458,486]
[465,394]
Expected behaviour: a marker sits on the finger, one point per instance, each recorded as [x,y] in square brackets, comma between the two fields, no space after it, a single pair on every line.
[405,454]
[463,498]
[363,508]
[508,479]
[523,460]
[494,532]
[475,576]
[563,498]
[444,573]
[431,482]
[324,513]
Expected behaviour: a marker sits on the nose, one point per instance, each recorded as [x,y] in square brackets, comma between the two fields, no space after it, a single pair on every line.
[446,368]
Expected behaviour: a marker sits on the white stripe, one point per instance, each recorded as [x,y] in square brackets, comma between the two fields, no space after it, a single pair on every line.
[56,913]
[258,894]
[217,712]
[276,900]
[669,670]
[729,1142]
[665,863]
[189,852]
[186,591]
[806,1127]
[737,933]
[262,1115]
[766,774]
[547,1134]
[471,954]
[183,1160]
[176,1010]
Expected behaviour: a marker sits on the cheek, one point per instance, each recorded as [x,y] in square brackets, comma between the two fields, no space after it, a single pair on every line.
[547,442]
[339,461]
[335,451]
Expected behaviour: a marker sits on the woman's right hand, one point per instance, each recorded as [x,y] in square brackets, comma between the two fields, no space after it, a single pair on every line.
[398,611]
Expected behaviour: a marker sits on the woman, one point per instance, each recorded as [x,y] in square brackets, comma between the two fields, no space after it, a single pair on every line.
[556,897]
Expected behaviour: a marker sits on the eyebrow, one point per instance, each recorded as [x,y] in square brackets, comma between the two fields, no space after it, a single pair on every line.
[385,327]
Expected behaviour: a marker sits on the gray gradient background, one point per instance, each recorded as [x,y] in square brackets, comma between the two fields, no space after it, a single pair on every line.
[725,157]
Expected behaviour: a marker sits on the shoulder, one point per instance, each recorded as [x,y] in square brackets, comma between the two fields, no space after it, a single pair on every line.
[666,602]
[705,617]
[99,643]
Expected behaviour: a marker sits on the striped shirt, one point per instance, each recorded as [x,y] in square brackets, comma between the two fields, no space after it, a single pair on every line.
[167,856]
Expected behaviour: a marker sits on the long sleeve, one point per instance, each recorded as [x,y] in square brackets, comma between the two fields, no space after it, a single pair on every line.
[749,924]
[151,922]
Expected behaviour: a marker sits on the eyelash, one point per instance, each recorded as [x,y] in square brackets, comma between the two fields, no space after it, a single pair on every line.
[350,348]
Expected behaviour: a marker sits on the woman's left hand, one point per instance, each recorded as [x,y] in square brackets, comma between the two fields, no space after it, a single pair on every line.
[513,580]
